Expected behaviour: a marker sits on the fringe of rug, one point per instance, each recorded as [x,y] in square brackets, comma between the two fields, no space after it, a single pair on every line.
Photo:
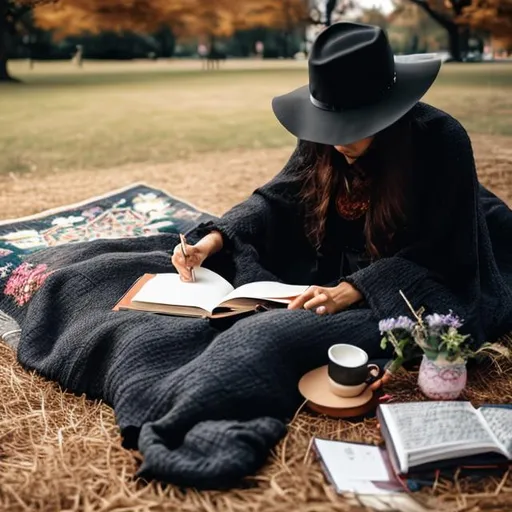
[10,331]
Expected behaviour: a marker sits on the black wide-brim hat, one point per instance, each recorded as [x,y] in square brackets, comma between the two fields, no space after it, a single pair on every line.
[357,87]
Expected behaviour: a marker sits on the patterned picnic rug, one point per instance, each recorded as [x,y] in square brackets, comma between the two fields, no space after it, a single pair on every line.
[134,211]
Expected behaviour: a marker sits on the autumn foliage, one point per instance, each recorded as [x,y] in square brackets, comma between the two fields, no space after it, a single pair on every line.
[221,18]
[185,17]
[493,16]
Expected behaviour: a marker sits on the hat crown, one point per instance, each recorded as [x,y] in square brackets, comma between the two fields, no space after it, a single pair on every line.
[350,65]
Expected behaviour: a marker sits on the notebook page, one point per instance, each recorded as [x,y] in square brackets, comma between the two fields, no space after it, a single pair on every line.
[266,290]
[499,420]
[420,428]
[352,461]
[206,292]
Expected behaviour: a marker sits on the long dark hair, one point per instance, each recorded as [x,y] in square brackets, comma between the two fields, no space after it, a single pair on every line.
[388,162]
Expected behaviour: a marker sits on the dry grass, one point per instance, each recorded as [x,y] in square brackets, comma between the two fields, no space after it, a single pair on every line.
[62,452]
[213,181]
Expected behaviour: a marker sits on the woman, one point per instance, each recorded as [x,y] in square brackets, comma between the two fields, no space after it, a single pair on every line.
[380,196]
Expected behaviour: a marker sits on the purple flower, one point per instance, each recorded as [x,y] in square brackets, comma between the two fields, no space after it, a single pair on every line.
[392,324]
[386,325]
[437,322]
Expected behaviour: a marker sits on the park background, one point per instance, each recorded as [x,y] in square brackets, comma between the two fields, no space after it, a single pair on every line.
[95,95]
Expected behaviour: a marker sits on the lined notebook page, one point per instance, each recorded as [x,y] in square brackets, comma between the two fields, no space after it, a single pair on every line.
[499,420]
[206,292]
[438,428]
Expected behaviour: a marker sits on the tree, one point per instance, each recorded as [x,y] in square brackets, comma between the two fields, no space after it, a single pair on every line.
[68,17]
[284,15]
[374,16]
[330,6]
[412,30]
[72,17]
[14,17]
[322,12]
[492,16]
[448,14]
[198,18]
[167,41]
[221,18]
[218,18]
[4,29]
[206,19]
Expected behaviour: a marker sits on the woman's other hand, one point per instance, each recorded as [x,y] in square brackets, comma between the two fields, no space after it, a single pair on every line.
[196,254]
[327,300]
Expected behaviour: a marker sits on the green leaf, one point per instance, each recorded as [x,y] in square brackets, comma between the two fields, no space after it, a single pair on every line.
[395,364]
[431,354]
[433,342]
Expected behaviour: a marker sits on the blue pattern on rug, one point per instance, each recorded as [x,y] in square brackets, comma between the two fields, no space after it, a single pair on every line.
[133,212]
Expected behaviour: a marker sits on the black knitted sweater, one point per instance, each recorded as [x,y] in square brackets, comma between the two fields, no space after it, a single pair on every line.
[453,252]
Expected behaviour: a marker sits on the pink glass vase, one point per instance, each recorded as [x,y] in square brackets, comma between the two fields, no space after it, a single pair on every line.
[441,379]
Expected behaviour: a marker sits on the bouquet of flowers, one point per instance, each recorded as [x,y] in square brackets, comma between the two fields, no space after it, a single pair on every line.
[437,336]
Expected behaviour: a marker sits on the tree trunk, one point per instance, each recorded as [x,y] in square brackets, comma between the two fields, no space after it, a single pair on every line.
[286,50]
[4,73]
[414,44]
[213,50]
[454,41]
[454,36]
[464,36]
[165,38]
[330,5]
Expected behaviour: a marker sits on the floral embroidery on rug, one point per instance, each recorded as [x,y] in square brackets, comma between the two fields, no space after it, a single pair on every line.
[135,211]
[25,281]
[6,269]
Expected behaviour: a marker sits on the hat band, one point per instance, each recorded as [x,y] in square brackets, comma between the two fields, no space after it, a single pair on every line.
[324,106]
[334,108]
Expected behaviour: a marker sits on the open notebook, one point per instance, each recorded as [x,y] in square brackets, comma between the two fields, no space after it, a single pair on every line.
[421,436]
[209,296]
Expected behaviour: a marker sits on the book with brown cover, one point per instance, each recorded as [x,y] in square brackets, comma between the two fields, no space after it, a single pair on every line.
[209,297]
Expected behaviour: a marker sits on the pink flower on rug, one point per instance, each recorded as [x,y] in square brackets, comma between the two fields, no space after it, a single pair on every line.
[25,281]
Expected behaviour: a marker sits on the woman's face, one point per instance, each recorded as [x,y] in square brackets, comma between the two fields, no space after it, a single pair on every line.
[354,150]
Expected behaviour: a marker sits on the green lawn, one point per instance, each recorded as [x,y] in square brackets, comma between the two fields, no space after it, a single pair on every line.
[108,114]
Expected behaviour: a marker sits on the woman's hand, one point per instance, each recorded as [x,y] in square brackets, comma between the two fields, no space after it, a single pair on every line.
[196,254]
[327,300]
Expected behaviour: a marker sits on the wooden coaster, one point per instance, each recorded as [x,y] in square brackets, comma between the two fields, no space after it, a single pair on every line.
[314,386]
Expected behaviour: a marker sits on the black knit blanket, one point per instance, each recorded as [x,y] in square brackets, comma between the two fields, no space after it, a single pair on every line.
[203,402]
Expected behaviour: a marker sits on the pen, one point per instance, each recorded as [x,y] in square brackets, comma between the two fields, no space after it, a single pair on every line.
[185,255]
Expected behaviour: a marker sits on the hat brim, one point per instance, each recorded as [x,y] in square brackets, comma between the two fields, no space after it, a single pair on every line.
[299,116]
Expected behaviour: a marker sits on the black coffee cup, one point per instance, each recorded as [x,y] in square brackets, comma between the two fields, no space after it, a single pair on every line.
[348,366]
